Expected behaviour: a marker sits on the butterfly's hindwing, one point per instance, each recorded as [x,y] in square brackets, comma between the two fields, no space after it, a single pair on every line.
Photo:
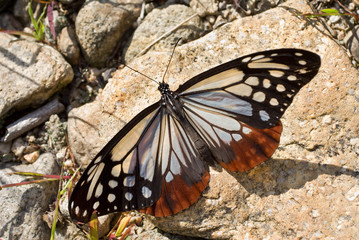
[235,145]
[184,171]
[158,162]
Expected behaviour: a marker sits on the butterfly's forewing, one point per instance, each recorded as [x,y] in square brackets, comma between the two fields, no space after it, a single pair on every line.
[111,181]
[236,106]
[151,157]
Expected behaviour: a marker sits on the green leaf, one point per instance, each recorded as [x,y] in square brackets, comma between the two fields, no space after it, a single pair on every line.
[41,31]
[330,11]
[123,224]
[31,14]
[93,227]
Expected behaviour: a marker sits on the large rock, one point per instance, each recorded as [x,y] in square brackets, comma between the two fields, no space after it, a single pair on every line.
[159,22]
[30,73]
[68,46]
[309,189]
[99,27]
[23,206]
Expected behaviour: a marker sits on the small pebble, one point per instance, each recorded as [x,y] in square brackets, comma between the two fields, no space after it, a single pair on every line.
[32,157]
[354,141]
[18,147]
[327,119]
[5,147]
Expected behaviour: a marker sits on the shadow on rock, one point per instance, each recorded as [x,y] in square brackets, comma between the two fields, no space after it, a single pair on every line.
[277,176]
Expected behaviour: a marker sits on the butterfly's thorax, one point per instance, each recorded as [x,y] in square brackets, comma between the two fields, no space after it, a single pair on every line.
[169,99]
[174,107]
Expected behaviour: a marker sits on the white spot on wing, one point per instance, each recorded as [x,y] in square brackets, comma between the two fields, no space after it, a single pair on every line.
[77,210]
[264,115]
[98,159]
[275,73]
[146,192]
[84,214]
[129,181]
[259,96]
[94,181]
[259,57]
[247,59]
[111,197]
[298,54]
[302,62]
[273,102]
[246,130]
[128,197]
[169,177]
[266,83]
[99,190]
[292,78]
[92,174]
[253,81]
[280,88]
[237,137]
[91,170]
[116,170]
[112,183]
[303,71]
[95,205]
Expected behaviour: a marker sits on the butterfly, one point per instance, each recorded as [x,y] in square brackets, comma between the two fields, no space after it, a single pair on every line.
[158,162]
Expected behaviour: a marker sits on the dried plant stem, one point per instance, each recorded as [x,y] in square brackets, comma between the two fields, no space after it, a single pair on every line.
[32,120]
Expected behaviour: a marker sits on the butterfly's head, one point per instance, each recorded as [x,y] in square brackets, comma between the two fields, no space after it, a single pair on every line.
[164,88]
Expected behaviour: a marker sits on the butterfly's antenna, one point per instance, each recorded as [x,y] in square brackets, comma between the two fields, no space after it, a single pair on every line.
[141,74]
[173,51]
